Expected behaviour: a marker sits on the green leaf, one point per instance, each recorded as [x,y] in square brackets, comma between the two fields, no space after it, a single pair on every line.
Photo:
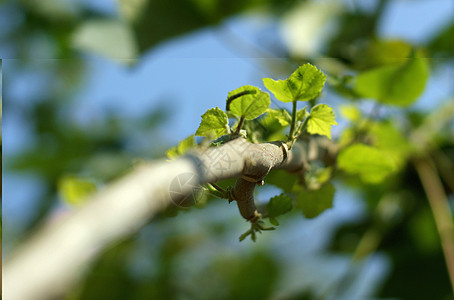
[398,84]
[75,190]
[274,221]
[281,115]
[320,120]
[303,85]
[252,104]
[301,114]
[282,179]
[182,148]
[279,205]
[313,203]
[270,127]
[215,123]
[371,164]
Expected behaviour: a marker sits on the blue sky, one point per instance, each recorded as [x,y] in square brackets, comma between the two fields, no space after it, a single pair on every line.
[195,72]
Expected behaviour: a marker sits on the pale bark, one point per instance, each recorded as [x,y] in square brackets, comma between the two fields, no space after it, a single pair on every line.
[48,264]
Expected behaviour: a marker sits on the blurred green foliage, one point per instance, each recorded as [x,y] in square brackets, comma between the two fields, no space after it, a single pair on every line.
[313,203]
[75,190]
[393,84]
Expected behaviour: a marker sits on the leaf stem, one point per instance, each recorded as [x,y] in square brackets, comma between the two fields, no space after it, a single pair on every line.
[303,125]
[238,127]
[217,191]
[292,125]
[300,130]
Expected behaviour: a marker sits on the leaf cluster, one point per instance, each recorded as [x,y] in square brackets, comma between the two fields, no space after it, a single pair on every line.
[370,151]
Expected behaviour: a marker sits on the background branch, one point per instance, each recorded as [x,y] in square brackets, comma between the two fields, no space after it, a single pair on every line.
[440,208]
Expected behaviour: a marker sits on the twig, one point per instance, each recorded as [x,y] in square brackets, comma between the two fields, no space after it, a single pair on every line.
[220,189]
[299,131]
[440,208]
[238,127]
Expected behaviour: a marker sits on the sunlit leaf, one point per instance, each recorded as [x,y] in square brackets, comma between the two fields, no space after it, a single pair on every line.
[301,114]
[303,85]
[320,120]
[214,123]
[281,115]
[252,104]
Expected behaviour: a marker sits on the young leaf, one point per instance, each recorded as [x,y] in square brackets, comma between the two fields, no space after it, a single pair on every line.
[313,203]
[303,85]
[320,120]
[279,205]
[398,84]
[301,114]
[182,148]
[252,104]
[75,190]
[371,164]
[214,123]
[281,115]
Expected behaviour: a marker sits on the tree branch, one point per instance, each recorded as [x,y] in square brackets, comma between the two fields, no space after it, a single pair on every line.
[48,264]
